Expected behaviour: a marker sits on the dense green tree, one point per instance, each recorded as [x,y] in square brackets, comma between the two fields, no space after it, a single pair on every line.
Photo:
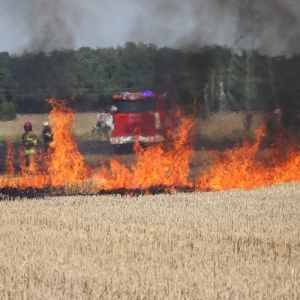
[217,77]
[8,88]
[7,111]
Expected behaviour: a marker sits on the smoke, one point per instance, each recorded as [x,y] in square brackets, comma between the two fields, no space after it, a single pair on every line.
[270,26]
[46,25]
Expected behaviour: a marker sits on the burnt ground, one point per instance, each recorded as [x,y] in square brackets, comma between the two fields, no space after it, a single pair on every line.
[95,151]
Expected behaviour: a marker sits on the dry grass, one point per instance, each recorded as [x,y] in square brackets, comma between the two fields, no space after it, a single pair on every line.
[83,123]
[13,129]
[226,125]
[228,245]
[217,126]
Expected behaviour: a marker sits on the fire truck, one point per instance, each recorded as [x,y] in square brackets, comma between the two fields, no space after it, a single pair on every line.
[143,116]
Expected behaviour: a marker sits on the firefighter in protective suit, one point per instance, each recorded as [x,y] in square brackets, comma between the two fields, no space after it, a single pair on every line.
[248,117]
[29,142]
[47,135]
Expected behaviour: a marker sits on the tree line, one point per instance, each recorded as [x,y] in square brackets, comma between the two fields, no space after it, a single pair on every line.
[220,79]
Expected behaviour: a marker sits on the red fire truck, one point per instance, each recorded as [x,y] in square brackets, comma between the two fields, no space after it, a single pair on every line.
[144,116]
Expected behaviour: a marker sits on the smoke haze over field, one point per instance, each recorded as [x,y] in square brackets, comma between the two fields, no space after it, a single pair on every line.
[35,25]
[272,26]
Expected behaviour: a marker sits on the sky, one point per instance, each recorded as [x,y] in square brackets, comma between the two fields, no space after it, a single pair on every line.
[270,26]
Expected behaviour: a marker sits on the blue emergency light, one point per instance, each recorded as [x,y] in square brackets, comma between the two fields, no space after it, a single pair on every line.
[147,93]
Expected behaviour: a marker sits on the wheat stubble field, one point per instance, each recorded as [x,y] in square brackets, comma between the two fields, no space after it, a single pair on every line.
[227,245]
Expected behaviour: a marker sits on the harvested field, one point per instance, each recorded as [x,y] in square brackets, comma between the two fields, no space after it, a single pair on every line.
[83,123]
[229,245]
[222,126]
[217,126]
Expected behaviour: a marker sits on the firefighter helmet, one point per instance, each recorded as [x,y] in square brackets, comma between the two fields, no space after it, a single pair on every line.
[28,126]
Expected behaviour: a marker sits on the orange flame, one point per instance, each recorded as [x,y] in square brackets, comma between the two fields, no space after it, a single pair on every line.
[10,154]
[247,166]
[167,163]
[164,165]
[63,164]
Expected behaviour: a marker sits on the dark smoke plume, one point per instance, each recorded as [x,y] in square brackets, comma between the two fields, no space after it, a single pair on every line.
[48,26]
[47,23]
[271,26]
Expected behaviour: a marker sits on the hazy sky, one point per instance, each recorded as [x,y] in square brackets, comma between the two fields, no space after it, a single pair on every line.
[272,26]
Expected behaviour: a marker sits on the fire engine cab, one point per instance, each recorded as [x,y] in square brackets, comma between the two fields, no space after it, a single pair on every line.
[142,116]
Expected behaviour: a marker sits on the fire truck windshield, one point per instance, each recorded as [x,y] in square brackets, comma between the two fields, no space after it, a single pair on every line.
[135,106]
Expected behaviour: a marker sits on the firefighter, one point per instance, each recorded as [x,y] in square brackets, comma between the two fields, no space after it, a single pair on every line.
[101,122]
[101,116]
[109,123]
[47,135]
[113,109]
[29,142]
[248,120]
[277,117]
[274,120]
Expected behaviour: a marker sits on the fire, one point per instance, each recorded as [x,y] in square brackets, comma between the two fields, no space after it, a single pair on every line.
[165,165]
[157,165]
[62,164]
[247,166]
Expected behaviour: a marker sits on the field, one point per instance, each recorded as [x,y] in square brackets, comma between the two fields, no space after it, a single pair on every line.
[83,123]
[227,245]
[211,133]
[223,126]
[217,126]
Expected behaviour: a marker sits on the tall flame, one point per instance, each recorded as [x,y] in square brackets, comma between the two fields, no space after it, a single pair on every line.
[248,166]
[64,162]
[164,165]
[60,165]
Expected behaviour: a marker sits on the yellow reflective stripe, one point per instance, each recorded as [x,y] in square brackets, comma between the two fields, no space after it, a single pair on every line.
[29,151]
[35,142]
